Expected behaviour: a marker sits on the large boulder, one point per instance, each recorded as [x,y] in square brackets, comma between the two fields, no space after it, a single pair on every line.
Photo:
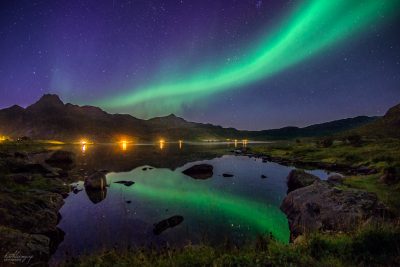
[323,207]
[200,171]
[298,179]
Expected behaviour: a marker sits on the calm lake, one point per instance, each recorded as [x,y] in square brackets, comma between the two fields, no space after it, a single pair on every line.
[215,210]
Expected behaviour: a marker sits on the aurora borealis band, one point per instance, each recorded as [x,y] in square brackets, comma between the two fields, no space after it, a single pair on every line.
[315,26]
[250,64]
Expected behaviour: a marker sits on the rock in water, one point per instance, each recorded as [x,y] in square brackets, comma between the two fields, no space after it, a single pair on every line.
[298,179]
[227,175]
[167,223]
[96,195]
[95,187]
[201,171]
[263,176]
[96,181]
[126,183]
[322,207]
[61,159]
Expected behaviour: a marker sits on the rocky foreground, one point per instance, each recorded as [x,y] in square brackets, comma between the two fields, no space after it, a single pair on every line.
[315,205]
[32,189]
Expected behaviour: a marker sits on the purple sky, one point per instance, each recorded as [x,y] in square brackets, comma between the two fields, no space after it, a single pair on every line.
[85,50]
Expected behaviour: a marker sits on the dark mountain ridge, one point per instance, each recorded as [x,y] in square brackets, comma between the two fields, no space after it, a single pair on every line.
[386,126]
[50,118]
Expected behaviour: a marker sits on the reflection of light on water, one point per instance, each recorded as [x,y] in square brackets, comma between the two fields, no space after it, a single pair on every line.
[123,145]
[180,144]
[83,145]
[162,143]
[235,143]
[244,142]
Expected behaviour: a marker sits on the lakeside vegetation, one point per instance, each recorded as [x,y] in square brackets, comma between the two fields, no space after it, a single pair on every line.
[370,246]
[375,154]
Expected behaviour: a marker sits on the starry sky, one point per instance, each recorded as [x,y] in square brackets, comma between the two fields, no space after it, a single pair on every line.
[249,64]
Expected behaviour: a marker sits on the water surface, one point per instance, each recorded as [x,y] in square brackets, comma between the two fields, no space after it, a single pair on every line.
[215,210]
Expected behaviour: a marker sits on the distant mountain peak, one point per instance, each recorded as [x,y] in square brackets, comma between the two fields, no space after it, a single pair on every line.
[52,98]
[47,101]
[16,107]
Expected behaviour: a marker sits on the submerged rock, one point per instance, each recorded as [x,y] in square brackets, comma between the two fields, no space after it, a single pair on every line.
[126,183]
[227,175]
[322,207]
[201,171]
[298,179]
[167,223]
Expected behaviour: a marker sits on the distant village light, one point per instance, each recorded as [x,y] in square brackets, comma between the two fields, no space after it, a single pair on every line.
[162,142]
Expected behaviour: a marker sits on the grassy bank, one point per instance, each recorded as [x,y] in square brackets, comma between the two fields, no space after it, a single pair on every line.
[353,249]
[378,154]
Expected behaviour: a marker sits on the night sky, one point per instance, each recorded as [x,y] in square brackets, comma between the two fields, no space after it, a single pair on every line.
[248,64]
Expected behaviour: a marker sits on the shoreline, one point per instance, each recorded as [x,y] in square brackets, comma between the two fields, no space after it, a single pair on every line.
[60,190]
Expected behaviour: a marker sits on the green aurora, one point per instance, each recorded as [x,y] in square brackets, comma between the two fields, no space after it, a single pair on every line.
[312,28]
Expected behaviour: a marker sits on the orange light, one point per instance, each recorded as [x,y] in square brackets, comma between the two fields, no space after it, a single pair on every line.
[123,145]
[180,144]
[83,143]
[162,142]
